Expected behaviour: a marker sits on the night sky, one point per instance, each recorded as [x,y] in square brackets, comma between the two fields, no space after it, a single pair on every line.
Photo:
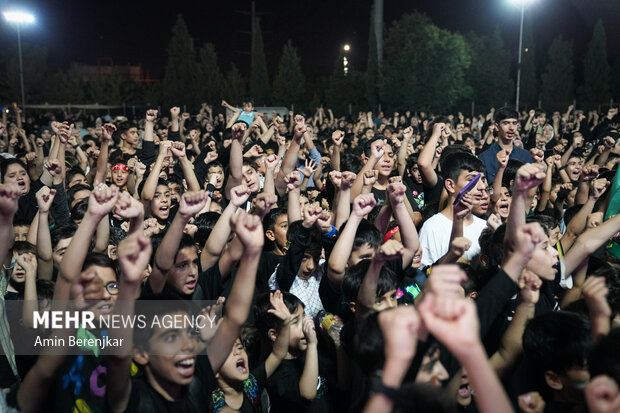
[137,32]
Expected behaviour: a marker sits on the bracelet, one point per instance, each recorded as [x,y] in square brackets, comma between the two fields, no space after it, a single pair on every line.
[390,392]
[331,233]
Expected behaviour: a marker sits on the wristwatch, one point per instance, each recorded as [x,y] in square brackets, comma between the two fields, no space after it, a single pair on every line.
[389,392]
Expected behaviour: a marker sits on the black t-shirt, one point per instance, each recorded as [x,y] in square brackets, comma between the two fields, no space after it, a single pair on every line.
[381,198]
[283,388]
[252,390]
[269,260]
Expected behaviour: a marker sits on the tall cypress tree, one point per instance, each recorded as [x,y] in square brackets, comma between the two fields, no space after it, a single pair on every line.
[211,78]
[489,73]
[180,80]
[259,79]
[289,85]
[372,67]
[235,85]
[529,82]
[595,89]
[558,85]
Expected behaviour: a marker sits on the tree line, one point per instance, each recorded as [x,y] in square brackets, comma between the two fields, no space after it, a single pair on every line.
[424,67]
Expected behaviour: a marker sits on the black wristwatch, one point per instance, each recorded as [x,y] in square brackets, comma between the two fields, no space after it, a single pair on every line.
[389,392]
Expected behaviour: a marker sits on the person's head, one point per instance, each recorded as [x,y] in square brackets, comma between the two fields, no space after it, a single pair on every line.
[551,226]
[205,223]
[166,352]
[20,229]
[78,192]
[79,210]
[75,176]
[460,168]
[605,356]
[385,165]
[20,248]
[61,238]
[385,297]
[250,176]
[106,270]
[216,171]
[14,171]
[425,398]
[248,105]
[545,257]
[128,133]
[574,165]
[414,170]
[507,124]
[557,344]
[236,367]
[367,240]
[276,227]
[175,184]
[183,276]
[120,174]
[160,204]
[269,325]
[502,206]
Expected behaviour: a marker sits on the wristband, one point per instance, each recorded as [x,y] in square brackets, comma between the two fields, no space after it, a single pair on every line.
[211,188]
[390,234]
[331,233]
[390,392]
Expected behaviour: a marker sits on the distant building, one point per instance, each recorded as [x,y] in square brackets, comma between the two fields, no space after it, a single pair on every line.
[106,68]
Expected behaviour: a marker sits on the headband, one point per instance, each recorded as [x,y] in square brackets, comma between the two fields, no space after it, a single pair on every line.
[120,167]
[390,233]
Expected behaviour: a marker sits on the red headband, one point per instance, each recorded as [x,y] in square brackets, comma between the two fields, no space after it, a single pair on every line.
[390,233]
[120,167]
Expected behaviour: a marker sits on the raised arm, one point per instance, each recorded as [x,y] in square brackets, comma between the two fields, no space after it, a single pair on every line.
[218,237]
[191,203]
[134,253]
[150,185]
[102,161]
[178,150]
[408,232]
[425,160]
[100,203]
[337,138]
[402,151]
[250,231]
[362,206]
[290,158]
[280,346]
[271,163]
[45,197]
[236,157]
[377,151]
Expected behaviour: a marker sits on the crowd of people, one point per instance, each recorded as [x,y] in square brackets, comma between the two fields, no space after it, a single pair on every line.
[405,262]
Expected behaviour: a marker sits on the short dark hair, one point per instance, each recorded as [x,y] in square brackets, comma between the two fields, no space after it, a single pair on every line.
[605,357]
[75,189]
[4,165]
[557,341]
[205,223]
[100,260]
[354,276]
[71,173]
[174,304]
[62,232]
[264,320]
[458,162]
[505,113]
[23,247]
[368,144]
[79,210]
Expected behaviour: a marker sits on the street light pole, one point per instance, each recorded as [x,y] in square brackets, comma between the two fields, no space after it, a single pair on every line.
[21,69]
[19,18]
[519,62]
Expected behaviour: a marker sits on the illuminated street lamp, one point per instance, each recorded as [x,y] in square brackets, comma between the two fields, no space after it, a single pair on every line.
[19,18]
[521,3]
[345,60]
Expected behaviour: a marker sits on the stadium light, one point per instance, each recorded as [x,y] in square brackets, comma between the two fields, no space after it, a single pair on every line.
[18,18]
[522,4]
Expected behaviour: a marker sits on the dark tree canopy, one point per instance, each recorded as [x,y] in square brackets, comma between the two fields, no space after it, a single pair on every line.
[259,78]
[558,85]
[289,84]
[180,79]
[424,66]
[595,88]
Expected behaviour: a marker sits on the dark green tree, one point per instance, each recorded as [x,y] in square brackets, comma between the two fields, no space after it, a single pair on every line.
[343,91]
[529,82]
[372,66]
[259,78]
[558,83]
[596,76]
[235,86]
[66,87]
[108,89]
[615,85]
[180,84]
[211,79]
[489,73]
[289,85]
[424,66]
[34,60]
